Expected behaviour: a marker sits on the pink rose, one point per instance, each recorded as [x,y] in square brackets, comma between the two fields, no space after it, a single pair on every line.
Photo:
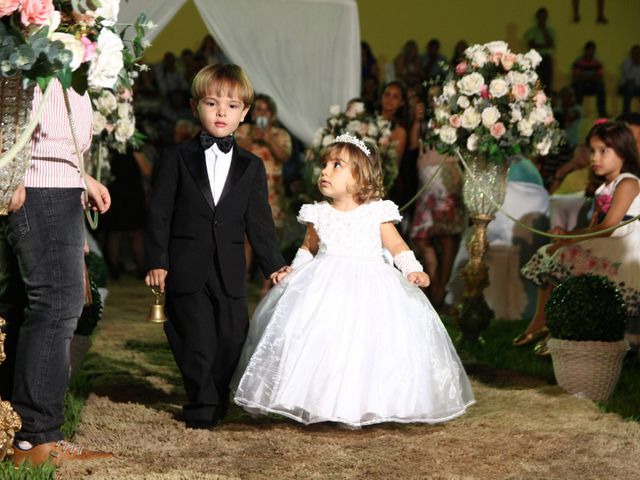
[455,121]
[497,130]
[549,120]
[495,58]
[126,94]
[539,98]
[7,7]
[508,61]
[36,12]
[484,91]
[520,91]
[461,68]
[384,142]
[89,49]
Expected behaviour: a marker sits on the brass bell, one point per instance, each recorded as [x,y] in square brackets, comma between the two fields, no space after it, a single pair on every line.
[156,309]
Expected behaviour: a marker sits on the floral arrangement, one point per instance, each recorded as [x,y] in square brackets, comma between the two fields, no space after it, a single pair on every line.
[371,129]
[73,40]
[493,104]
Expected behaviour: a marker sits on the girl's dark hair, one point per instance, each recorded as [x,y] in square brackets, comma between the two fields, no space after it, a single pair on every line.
[401,116]
[618,136]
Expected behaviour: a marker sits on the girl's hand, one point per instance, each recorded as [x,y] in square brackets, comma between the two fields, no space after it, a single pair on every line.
[420,279]
[277,276]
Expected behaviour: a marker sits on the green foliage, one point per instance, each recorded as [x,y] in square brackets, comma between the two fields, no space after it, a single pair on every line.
[27,472]
[98,271]
[586,307]
[91,313]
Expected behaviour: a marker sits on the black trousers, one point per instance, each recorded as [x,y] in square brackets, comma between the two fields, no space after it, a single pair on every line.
[206,331]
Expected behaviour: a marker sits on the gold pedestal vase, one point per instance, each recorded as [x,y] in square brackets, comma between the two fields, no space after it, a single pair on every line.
[483,179]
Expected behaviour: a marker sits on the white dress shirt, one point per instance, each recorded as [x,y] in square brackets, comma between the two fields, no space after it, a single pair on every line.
[218,164]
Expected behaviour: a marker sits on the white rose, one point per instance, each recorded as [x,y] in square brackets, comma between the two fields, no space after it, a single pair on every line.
[441,115]
[471,84]
[72,44]
[490,116]
[372,131]
[107,63]
[497,47]
[525,127]
[533,57]
[448,134]
[108,10]
[470,118]
[328,140]
[516,114]
[99,123]
[472,142]
[124,130]
[317,137]
[498,88]
[540,114]
[523,61]
[517,77]
[354,126]
[334,110]
[463,102]
[532,77]
[544,146]
[124,110]
[479,58]
[449,90]
[106,102]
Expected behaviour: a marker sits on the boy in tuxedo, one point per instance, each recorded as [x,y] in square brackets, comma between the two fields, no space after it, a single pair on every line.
[207,195]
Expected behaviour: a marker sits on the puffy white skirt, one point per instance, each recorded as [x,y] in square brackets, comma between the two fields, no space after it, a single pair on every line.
[350,340]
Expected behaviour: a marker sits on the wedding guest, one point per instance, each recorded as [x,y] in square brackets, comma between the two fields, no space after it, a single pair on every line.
[207,195]
[42,243]
[168,77]
[368,63]
[632,120]
[630,80]
[614,254]
[433,63]
[542,38]
[394,108]
[588,78]
[211,51]
[273,146]
[600,6]
[570,116]
[458,53]
[408,68]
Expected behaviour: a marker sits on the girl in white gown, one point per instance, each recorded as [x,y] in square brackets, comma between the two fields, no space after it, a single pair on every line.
[345,336]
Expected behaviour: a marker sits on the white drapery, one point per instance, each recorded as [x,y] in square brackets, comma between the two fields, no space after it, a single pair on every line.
[303,53]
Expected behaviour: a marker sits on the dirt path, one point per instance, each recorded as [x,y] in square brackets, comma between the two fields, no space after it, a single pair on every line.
[532,431]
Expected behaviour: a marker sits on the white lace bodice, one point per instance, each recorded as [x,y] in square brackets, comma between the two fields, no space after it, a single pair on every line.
[356,232]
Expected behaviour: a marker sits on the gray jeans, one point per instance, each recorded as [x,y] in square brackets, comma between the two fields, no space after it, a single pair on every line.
[41,296]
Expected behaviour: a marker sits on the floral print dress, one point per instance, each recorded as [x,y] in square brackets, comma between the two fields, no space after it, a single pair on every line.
[616,257]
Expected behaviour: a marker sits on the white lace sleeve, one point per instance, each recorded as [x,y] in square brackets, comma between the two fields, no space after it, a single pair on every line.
[308,213]
[388,211]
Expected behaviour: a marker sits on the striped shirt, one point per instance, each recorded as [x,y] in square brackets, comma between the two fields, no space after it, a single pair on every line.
[54,163]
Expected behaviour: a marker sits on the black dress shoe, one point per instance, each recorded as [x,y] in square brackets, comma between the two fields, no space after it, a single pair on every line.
[201,424]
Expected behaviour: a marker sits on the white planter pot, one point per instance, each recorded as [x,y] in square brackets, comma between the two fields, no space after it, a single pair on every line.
[587,369]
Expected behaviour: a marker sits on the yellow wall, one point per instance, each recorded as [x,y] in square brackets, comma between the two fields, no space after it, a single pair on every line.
[387,24]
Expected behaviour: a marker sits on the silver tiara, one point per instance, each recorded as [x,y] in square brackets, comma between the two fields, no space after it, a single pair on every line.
[348,138]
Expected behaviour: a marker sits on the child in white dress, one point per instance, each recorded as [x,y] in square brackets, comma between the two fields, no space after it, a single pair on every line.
[345,336]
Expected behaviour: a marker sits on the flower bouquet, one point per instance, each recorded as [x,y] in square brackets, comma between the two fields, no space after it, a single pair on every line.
[493,105]
[372,129]
[77,42]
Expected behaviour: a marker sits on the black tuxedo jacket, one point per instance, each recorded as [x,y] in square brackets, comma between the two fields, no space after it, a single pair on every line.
[187,234]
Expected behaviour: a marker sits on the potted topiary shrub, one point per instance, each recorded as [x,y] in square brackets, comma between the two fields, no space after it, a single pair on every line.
[586,317]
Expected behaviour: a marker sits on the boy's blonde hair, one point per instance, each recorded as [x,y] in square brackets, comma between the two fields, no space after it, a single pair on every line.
[220,79]
[366,169]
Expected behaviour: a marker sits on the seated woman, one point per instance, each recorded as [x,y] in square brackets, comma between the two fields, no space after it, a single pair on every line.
[614,254]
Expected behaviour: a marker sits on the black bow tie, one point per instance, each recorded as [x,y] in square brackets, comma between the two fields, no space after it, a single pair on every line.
[224,144]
